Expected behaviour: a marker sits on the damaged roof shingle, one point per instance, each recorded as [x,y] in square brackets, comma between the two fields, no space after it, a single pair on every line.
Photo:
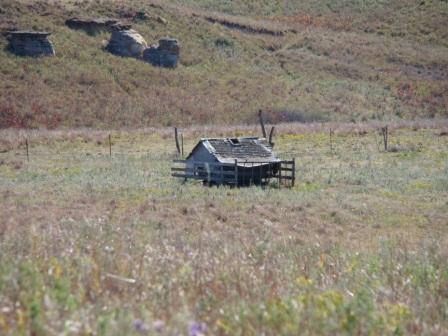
[227,150]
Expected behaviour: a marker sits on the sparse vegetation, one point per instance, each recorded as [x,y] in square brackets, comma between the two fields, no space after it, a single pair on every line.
[92,244]
[348,61]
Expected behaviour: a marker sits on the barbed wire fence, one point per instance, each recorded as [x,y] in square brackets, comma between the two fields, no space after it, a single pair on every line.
[311,167]
[109,147]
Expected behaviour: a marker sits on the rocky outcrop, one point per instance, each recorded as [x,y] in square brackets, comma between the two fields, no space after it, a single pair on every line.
[126,42]
[142,16]
[166,54]
[91,26]
[30,43]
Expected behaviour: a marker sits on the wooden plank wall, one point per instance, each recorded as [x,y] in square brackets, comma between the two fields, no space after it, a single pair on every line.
[232,174]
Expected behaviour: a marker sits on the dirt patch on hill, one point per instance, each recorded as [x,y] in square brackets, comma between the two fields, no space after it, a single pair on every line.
[327,22]
[431,72]
[252,28]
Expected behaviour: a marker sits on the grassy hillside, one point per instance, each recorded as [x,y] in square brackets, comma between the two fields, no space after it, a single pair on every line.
[92,244]
[99,245]
[298,60]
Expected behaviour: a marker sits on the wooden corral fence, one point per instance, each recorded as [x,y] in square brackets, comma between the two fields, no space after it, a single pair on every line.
[240,173]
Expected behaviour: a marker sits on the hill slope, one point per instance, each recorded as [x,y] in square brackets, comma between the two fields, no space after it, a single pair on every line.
[299,61]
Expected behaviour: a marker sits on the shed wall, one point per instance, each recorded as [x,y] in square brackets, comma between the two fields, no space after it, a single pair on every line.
[201,154]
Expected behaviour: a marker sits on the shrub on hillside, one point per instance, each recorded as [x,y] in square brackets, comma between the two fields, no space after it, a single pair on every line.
[274,116]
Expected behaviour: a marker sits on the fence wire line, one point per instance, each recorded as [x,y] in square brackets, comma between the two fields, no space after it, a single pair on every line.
[103,151]
[46,154]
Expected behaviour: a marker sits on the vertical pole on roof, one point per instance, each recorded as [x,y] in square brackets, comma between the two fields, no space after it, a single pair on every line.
[236,172]
[260,117]
[271,134]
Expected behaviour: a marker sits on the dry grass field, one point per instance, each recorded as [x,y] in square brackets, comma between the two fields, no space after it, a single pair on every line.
[297,60]
[99,245]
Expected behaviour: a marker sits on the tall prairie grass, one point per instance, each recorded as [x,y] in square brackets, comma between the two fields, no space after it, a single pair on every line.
[92,244]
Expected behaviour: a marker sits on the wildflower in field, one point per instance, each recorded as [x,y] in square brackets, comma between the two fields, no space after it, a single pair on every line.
[158,325]
[141,327]
[197,329]
[304,282]
[73,326]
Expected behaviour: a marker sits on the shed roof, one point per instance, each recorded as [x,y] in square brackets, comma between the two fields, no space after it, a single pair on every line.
[227,150]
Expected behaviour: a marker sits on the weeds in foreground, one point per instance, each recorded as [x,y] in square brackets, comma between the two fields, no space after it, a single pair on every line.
[112,245]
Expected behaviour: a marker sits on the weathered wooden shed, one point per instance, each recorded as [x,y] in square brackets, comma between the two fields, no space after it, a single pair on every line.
[235,161]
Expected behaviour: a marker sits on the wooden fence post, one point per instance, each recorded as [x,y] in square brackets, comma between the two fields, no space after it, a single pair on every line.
[110,146]
[176,139]
[252,174]
[222,174]
[236,172]
[182,143]
[293,172]
[331,139]
[384,130]
[27,151]
[269,171]
[280,175]
[209,173]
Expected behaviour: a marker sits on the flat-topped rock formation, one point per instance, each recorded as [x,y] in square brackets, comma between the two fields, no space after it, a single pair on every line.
[166,54]
[126,42]
[30,43]
[91,26]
